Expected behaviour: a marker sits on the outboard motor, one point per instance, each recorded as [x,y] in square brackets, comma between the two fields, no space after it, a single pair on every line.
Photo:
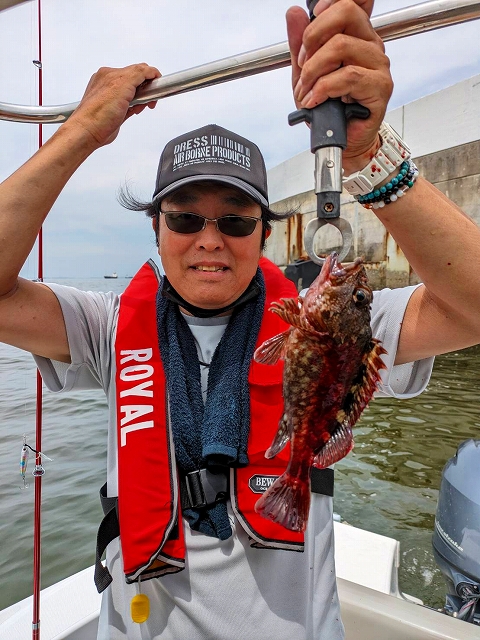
[456,539]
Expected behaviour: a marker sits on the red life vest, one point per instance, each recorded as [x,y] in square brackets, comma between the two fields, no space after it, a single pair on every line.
[151,529]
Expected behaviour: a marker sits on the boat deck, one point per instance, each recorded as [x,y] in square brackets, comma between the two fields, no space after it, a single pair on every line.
[372,606]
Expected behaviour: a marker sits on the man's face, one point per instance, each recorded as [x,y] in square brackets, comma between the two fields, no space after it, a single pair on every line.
[189,259]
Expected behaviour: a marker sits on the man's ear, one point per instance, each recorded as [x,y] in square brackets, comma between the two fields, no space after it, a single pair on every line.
[156,229]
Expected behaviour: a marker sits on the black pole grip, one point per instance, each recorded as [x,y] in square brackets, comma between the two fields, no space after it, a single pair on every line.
[328,122]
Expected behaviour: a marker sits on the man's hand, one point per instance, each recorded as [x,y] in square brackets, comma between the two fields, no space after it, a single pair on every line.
[105,103]
[339,55]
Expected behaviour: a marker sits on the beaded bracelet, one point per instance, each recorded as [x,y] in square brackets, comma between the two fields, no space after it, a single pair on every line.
[393,189]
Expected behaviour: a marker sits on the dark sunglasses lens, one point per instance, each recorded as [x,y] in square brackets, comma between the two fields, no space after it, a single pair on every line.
[236,226]
[184,222]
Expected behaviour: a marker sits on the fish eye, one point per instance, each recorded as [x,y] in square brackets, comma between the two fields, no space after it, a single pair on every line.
[360,297]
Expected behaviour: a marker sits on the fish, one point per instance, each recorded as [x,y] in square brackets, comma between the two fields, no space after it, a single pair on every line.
[331,370]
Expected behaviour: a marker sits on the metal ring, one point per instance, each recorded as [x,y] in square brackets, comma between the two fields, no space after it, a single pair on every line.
[317,223]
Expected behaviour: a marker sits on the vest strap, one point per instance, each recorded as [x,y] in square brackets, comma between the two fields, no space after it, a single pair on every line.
[322,481]
[108,530]
[106,502]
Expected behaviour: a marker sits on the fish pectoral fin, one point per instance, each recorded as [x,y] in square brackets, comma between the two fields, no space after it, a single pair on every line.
[281,438]
[272,349]
[289,310]
[365,383]
[337,447]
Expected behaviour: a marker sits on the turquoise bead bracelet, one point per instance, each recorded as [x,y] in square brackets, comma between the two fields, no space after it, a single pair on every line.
[393,189]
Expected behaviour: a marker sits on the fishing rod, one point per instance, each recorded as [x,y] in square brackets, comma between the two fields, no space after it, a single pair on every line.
[38,471]
[401,23]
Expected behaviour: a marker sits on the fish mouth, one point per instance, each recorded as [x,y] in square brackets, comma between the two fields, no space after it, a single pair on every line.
[333,269]
[322,296]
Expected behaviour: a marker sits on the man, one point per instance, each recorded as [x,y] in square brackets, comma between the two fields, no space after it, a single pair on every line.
[214,571]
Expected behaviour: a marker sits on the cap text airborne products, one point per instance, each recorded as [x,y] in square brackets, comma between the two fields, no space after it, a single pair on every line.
[211,148]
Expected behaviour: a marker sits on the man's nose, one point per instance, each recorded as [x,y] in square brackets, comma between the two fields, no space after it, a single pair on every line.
[210,237]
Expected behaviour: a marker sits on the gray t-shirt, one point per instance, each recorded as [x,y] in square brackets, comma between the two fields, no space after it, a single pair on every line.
[228,590]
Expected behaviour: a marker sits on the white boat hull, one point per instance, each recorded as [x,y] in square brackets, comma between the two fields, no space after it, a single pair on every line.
[372,606]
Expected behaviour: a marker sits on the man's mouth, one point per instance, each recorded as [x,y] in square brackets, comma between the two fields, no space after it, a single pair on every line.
[205,268]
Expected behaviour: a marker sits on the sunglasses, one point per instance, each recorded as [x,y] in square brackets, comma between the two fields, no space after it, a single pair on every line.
[230,225]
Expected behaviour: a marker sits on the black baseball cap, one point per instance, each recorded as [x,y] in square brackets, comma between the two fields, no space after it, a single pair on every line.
[212,153]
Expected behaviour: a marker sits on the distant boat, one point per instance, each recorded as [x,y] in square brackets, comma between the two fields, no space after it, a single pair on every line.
[113,275]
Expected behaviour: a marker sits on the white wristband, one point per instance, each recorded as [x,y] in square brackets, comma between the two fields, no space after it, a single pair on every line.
[392,152]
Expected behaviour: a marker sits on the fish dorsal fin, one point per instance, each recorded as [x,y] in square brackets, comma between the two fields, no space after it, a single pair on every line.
[272,349]
[289,310]
[337,447]
[365,383]
[363,387]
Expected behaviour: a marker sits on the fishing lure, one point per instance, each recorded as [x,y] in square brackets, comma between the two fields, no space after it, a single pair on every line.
[39,470]
[23,462]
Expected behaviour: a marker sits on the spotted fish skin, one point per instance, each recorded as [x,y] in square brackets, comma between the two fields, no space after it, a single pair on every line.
[331,370]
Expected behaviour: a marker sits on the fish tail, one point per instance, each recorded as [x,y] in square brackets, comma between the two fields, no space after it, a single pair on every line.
[287,502]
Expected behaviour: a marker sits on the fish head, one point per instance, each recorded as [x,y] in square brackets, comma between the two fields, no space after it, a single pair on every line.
[338,301]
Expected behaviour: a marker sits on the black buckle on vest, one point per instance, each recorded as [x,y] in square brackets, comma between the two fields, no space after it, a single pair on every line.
[202,488]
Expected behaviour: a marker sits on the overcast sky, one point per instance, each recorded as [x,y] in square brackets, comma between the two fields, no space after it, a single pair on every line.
[87,233]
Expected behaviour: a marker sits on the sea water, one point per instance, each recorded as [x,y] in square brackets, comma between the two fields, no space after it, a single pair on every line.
[388,484]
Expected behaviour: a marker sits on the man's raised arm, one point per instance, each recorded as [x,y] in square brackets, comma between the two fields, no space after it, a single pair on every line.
[30,315]
[339,55]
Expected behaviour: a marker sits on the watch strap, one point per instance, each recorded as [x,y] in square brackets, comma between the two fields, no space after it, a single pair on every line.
[392,152]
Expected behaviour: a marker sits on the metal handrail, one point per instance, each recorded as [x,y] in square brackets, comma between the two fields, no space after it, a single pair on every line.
[401,23]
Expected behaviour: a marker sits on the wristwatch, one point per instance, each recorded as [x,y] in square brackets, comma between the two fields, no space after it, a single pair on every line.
[392,152]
